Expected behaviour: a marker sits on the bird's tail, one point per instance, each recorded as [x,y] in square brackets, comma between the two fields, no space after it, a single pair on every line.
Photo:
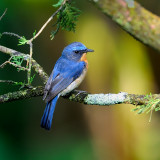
[46,120]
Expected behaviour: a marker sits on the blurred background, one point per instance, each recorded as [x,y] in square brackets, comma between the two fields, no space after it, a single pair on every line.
[119,63]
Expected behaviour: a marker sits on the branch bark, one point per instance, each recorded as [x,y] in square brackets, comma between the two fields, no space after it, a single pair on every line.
[137,21]
[88,99]
[3,14]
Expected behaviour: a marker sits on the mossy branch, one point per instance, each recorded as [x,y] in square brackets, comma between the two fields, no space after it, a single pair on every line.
[137,21]
[143,103]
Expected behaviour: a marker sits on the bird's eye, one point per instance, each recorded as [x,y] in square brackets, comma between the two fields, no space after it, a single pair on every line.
[76,52]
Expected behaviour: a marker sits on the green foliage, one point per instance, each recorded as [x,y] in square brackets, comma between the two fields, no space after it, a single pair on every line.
[59,3]
[152,104]
[53,33]
[32,78]
[34,33]
[22,41]
[18,60]
[66,18]
[22,84]
[19,83]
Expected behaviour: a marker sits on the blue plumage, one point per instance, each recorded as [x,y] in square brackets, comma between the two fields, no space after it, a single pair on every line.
[65,76]
[47,117]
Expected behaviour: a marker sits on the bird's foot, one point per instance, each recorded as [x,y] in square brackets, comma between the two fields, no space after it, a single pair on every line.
[79,92]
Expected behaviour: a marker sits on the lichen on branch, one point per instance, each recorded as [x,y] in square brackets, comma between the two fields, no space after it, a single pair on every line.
[143,103]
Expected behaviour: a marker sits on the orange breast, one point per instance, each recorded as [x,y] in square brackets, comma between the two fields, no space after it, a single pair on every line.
[84,58]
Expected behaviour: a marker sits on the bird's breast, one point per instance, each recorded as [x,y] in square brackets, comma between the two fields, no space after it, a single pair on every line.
[75,83]
[84,58]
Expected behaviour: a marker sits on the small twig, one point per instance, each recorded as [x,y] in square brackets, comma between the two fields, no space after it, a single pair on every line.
[8,81]
[11,34]
[15,65]
[3,64]
[3,14]
[30,62]
[47,22]
[38,69]
[17,83]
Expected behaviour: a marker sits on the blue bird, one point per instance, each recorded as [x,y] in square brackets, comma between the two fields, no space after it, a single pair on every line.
[69,71]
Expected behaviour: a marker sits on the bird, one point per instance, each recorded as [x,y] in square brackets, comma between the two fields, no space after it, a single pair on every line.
[68,73]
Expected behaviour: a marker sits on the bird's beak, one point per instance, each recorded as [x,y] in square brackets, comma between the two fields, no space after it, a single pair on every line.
[89,50]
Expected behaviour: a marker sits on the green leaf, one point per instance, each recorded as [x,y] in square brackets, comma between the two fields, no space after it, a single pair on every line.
[134,109]
[66,19]
[140,111]
[59,3]
[157,108]
[19,83]
[18,60]
[22,84]
[22,41]
[69,17]
[31,79]
[53,33]
[34,33]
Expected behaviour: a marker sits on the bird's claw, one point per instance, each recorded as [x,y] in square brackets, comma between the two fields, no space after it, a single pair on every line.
[79,92]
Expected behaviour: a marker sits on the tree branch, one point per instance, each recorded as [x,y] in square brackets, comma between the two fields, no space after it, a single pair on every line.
[11,34]
[76,96]
[90,99]
[137,21]
[23,94]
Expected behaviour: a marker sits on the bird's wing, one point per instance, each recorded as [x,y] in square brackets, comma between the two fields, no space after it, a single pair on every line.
[48,84]
[63,80]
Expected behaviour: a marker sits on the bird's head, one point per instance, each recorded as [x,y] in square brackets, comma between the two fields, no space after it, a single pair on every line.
[75,51]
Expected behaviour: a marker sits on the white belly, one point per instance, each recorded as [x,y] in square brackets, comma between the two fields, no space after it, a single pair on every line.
[74,84]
